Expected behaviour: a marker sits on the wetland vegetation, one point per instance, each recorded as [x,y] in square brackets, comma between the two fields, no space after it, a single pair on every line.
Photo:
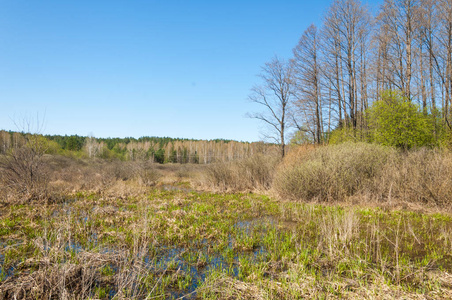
[203,232]
[166,244]
[357,205]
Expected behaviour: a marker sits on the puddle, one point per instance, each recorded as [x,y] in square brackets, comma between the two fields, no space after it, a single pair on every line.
[264,223]
[256,223]
[191,264]
[195,262]
[171,259]
[4,274]
[198,260]
[2,258]
[64,208]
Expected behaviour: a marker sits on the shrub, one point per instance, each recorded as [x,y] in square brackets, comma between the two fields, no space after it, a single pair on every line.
[347,134]
[22,168]
[147,173]
[395,121]
[422,176]
[333,172]
[253,173]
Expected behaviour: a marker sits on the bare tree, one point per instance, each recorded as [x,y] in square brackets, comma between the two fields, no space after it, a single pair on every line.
[275,96]
[347,29]
[92,146]
[435,26]
[445,56]
[428,18]
[400,16]
[339,69]
[306,65]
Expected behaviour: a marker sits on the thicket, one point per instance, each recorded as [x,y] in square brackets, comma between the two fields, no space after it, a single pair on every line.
[369,172]
[22,168]
[250,174]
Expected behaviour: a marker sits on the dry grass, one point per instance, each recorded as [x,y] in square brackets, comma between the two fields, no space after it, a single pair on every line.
[247,246]
[118,230]
[423,176]
[220,286]
[61,268]
[55,178]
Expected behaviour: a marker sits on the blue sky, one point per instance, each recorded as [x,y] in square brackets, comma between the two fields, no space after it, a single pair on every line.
[143,68]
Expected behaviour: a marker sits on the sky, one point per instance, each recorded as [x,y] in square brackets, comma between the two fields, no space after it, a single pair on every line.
[143,68]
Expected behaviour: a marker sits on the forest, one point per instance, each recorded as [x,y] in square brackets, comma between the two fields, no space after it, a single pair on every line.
[154,149]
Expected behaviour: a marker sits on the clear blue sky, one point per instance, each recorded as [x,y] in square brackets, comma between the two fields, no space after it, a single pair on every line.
[143,68]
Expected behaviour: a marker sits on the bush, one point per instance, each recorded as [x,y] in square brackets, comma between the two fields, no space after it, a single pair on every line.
[370,171]
[347,134]
[22,169]
[253,173]
[422,176]
[147,173]
[333,172]
[395,121]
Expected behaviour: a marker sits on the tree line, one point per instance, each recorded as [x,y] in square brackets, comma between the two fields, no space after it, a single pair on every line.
[355,58]
[156,149]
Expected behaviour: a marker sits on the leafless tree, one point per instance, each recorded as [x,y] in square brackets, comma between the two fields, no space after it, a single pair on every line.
[400,18]
[307,77]
[445,55]
[275,95]
[347,30]
[428,19]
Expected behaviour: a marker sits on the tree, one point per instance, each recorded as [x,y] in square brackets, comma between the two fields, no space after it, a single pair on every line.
[92,146]
[346,32]
[74,143]
[395,121]
[275,95]
[399,18]
[159,156]
[306,65]
[302,137]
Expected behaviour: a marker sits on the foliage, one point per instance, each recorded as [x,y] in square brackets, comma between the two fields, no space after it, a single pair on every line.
[73,143]
[347,134]
[395,121]
[52,147]
[159,156]
[301,137]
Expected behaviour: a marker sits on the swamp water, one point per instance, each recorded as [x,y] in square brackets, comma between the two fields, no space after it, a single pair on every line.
[190,264]
[177,244]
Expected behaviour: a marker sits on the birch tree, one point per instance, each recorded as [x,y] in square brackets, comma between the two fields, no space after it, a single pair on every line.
[275,96]
[347,24]
[307,77]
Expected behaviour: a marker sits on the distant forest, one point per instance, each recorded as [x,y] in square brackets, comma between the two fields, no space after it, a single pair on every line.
[157,149]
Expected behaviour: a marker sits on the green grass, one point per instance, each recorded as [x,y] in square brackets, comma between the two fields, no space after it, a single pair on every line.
[171,243]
